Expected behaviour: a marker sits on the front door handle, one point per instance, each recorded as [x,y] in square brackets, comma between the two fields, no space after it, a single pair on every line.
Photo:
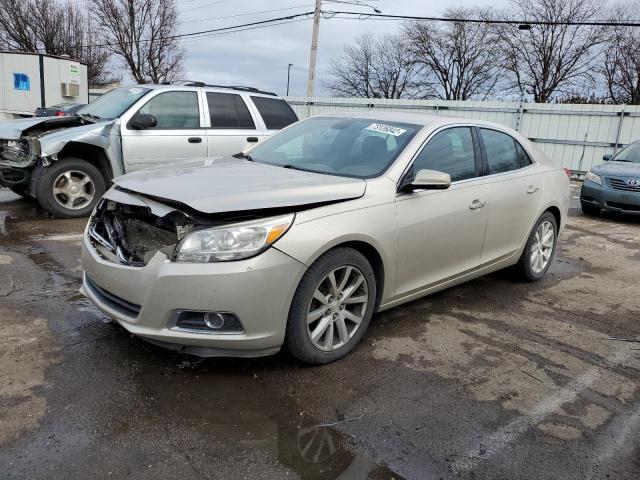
[252,139]
[476,204]
[532,189]
[194,140]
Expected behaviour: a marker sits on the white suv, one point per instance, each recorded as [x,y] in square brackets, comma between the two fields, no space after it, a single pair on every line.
[67,162]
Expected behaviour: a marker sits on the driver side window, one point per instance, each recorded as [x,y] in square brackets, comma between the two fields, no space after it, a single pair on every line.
[174,110]
[450,151]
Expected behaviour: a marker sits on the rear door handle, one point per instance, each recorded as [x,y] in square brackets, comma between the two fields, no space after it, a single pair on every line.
[476,204]
[532,189]
[194,140]
[252,139]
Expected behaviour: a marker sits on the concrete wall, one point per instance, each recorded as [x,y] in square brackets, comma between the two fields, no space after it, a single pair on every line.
[575,136]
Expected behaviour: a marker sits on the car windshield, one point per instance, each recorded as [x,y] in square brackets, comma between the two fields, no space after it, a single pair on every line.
[114,103]
[631,153]
[350,147]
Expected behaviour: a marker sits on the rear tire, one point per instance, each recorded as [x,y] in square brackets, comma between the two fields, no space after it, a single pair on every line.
[70,188]
[332,307]
[540,249]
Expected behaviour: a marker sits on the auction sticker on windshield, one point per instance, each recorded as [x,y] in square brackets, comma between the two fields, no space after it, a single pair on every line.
[388,129]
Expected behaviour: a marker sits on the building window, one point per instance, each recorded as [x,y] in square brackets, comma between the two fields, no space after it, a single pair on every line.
[21,81]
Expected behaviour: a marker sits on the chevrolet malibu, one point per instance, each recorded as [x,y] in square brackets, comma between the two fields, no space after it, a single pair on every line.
[297,241]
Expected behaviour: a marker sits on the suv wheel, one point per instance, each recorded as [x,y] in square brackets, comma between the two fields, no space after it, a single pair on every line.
[332,307]
[540,249]
[70,188]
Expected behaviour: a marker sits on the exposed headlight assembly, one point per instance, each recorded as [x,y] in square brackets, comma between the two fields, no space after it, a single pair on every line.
[593,177]
[232,242]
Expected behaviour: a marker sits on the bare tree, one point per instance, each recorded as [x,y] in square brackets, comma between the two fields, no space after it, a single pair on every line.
[46,26]
[457,60]
[621,59]
[142,34]
[373,68]
[551,59]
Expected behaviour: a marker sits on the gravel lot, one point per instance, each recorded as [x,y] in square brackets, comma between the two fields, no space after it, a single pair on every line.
[491,379]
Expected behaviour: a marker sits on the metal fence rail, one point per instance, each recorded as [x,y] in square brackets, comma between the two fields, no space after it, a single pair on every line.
[575,136]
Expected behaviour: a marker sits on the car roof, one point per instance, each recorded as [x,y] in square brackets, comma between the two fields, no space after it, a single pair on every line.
[415,118]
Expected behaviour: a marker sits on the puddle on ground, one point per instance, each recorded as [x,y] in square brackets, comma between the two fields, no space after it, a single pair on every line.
[232,402]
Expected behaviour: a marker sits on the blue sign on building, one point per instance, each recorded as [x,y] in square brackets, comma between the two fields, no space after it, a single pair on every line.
[21,81]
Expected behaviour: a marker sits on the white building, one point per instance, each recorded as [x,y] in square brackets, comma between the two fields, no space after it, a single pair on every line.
[32,80]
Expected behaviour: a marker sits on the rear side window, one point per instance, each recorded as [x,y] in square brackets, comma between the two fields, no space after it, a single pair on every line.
[228,110]
[174,110]
[504,153]
[450,151]
[276,113]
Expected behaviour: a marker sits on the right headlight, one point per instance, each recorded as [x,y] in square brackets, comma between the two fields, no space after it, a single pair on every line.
[232,242]
[593,177]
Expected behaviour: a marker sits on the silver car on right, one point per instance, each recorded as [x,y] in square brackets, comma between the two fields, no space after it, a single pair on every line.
[297,241]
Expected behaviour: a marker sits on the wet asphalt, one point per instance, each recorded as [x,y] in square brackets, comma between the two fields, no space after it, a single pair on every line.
[494,379]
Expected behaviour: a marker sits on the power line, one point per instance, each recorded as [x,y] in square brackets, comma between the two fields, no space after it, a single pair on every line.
[593,23]
[210,4]
[219,34]
[248,13]
[212,30]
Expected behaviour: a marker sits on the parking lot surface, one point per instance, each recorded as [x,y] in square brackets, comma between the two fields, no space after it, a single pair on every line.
[491,379]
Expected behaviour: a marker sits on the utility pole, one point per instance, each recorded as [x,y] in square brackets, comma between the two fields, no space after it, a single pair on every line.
[288,76]
[314,49]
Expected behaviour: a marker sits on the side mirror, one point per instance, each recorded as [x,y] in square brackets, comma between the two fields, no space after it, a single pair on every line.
[607,157]
[143,121]
[428,180]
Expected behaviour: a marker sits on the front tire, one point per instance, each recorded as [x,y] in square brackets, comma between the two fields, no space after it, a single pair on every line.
[539,250]
[332,307]
[70,188]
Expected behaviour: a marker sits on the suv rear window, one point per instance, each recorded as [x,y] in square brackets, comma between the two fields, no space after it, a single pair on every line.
[228,110]
[276,113]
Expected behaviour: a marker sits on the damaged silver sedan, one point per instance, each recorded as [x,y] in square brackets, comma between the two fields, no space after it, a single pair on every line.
[297,241]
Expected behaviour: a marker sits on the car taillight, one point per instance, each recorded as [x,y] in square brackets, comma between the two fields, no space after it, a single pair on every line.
[568,172]
[59,114]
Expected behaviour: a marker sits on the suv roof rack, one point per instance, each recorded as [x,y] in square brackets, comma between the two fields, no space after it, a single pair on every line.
[189,83]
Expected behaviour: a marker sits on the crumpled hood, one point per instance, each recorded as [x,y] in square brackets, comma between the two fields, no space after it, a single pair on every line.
[230,185]
[619,169]
[12,129]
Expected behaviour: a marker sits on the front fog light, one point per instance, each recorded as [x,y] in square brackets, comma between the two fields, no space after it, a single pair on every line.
[206,322]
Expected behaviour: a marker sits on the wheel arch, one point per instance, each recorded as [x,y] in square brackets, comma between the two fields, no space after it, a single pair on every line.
[371,253]
[555,211]
[90,153]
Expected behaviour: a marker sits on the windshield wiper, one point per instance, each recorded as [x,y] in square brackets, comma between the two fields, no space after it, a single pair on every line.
[243,155]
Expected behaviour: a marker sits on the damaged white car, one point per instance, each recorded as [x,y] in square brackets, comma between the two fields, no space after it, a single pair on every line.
[67,163]
[300,239]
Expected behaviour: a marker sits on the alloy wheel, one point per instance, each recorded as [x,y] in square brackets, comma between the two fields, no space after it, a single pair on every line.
[542,246]
[337,308]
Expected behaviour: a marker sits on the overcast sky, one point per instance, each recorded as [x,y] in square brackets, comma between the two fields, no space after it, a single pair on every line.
[259,57]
